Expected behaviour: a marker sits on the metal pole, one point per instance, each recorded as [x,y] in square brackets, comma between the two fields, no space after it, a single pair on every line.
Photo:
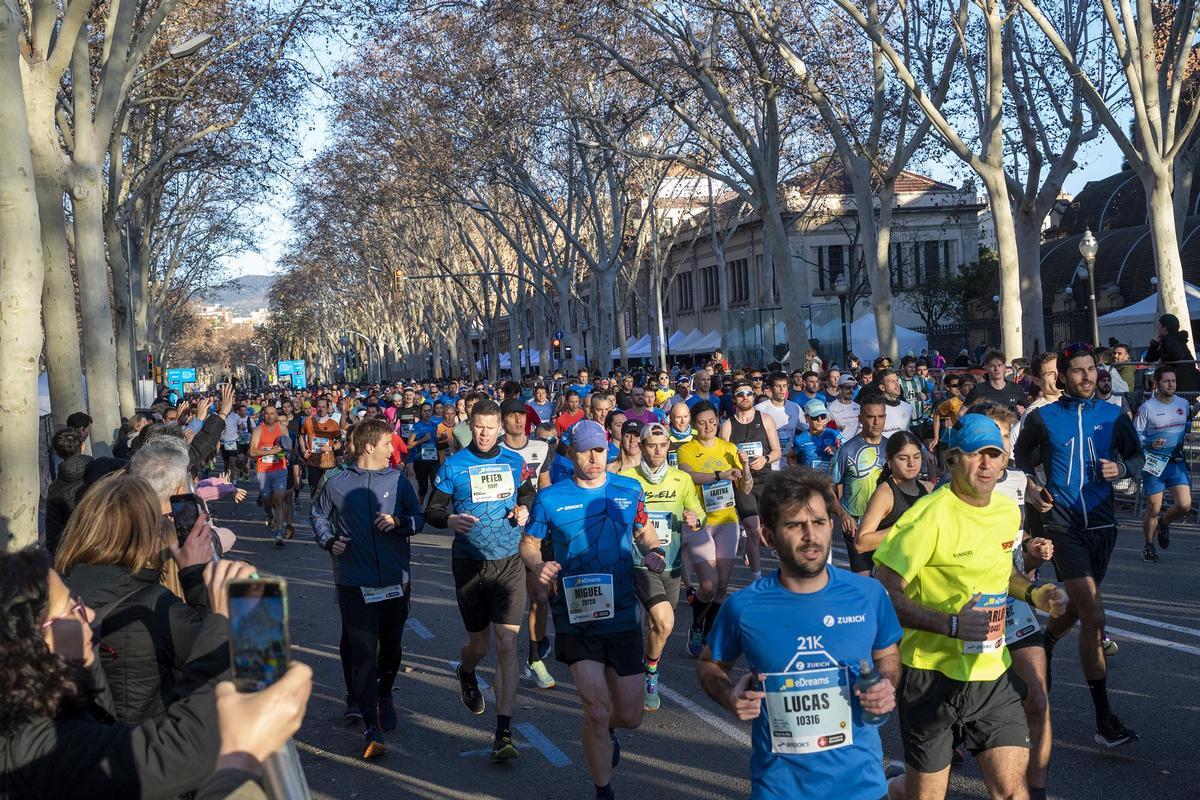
[845,342]
[1091,271]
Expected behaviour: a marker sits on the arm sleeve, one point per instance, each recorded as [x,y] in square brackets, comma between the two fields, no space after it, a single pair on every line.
[437,510]
[231,784]
[1028,450]
[321,518]
[525,493]
[1126,446]
[204,444]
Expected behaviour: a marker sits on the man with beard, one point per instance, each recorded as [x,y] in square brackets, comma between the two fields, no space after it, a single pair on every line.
[807,631]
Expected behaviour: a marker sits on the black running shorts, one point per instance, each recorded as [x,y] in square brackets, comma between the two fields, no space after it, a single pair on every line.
[622,652]
[1082,554]
[489,591]
[654,589]
[936,711]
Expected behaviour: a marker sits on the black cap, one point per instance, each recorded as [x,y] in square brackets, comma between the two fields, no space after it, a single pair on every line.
[632,426]
[512,405]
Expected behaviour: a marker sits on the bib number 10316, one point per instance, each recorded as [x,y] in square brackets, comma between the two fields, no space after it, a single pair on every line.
[809,712]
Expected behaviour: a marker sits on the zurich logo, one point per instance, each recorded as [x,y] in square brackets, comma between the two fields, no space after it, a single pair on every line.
[828,620]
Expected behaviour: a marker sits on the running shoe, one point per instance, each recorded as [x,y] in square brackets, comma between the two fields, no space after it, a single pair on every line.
[616,745]
[653,701]
[958,756]
[387,714]
[893,769]
[1164,532]
[1149,555]
[373,743]
[691,595]
[352,713]
[471,696]
[289,532]
[540,676]
[695,645]
[503,749]
[544,648]
[279,540]
[1108,645]
[1111,733]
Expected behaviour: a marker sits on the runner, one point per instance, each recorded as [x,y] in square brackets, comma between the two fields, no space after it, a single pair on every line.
[364,515]
[597,525]
[672,503]
[320,442]
[855,473]
[571,412]
[899,413]
[947,566]
[817,446]
[541,405]
[536,455]
[844,411]
[232,455]
[269,445]
[481,496]
[755,436]
[787,415]
[719,470]
[630,437]
[806,631]
[423,443]
[996,387]
[1083,444]
[639,409]
[898,488]
[614,424]
[1162,423]
[680,432]
[914,388]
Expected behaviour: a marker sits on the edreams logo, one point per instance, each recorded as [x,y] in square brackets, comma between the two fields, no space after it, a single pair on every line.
[828,621]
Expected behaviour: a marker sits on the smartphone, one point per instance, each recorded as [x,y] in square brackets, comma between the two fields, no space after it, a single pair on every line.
[258,632]
[185,509]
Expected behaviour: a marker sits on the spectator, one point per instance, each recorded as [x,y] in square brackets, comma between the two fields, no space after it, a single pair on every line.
[112,558]
[1170,346]
[123,447]
[57,734]
[77,472]
[82,423]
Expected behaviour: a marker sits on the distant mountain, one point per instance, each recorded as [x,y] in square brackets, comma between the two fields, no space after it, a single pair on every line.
[242,296]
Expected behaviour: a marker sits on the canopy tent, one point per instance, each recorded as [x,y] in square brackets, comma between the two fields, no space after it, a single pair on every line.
[864,341]
[675,339]
[1135,324]
[686,345]
[636,347]
[708,343]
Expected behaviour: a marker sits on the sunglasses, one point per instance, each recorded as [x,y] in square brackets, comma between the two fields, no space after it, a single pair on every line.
[818,416]
[77,610]
[756,378]
[1072,350]
[743,394]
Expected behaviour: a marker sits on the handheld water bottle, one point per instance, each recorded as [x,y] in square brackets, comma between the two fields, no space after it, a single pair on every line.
[868,676]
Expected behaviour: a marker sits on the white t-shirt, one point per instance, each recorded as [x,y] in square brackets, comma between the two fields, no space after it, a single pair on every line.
[897,418]
[847,417]
[788,420]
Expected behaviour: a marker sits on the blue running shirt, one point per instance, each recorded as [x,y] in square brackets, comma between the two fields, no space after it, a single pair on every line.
[781,632]
[485,488]
[592,533]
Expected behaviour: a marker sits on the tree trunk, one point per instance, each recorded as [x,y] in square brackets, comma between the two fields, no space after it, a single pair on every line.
[99,345]
[606,284]
[623,340]
[1010,276]
[785,272]
[21,274]
[1028,232]
[1185,173]
[1161,214]
[875,237]
[123,313]
[64,367]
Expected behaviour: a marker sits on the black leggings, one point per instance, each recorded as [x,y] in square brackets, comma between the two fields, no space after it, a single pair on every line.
[426,471]
[375,632]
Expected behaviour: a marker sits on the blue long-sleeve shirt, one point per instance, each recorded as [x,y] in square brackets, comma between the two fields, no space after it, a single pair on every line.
[347,506]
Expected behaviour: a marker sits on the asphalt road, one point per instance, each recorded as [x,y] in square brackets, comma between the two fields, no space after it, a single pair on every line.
[691,748]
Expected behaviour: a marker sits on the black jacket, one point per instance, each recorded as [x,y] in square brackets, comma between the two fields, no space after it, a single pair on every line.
[145,634]
[204,444]
[84,753]
[1173,349]
[75,476]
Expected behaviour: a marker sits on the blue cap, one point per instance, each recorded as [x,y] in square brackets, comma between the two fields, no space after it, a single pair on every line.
[816,408]
[975,432]
[587,434]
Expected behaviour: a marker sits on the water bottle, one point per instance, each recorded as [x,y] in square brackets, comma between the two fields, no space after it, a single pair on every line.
[868,676]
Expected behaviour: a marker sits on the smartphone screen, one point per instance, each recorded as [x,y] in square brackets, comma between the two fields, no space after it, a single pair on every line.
[185,509]
[258,632]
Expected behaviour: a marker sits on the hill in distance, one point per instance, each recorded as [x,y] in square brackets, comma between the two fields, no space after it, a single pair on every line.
[242,295]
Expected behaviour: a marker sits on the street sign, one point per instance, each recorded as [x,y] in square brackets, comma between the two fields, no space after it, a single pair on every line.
[297,370]
[178,376]
[558,334]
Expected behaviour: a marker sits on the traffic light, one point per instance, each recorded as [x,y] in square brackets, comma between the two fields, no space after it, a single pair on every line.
[567,353]
[150,364]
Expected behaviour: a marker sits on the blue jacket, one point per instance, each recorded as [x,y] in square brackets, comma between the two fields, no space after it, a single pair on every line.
[346,506]
[1066,439]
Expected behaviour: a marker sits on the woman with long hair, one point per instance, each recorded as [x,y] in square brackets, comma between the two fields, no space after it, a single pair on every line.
[116,551]
[898,488]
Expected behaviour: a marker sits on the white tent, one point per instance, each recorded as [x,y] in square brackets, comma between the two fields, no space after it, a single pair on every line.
[675,339]
[1134,324]
[708,343]
[865,342]
[687,345]
[635,347]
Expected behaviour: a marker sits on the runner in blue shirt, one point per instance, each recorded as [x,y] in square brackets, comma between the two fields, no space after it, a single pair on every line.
[817,446]
[805,632]
[482,494]
[598,527]
[583,387]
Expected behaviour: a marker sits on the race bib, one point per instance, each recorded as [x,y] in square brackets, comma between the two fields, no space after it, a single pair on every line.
[663,522]
[1156,464]
[320,444]
[428,451]
[996,607]
[809,712]
[1019,621]
[230,447]
[266,459]
[406,429]
[717,496]
[751,449]
[379,594]
[589,597]
[490,482]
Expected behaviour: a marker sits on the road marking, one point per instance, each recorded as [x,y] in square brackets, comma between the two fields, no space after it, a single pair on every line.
[733,732]
[1166,626]
[419,629]
[487,751]
[313,652]
[556,757]
[415,787]
[1138,637]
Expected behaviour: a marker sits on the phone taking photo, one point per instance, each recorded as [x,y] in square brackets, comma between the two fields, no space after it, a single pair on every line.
[258,632]
[185,510]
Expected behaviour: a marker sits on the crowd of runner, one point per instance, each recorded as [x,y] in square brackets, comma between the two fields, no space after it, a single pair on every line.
[976,505]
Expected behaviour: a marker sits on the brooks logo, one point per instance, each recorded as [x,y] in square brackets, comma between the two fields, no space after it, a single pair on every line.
[570,508]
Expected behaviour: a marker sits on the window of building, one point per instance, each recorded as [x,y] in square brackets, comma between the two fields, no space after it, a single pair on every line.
[683,291]
[831,261]
[711,286]
[738,272]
